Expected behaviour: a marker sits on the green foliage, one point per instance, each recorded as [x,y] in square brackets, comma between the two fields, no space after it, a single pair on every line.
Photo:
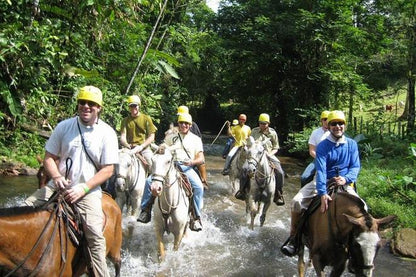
[387,183]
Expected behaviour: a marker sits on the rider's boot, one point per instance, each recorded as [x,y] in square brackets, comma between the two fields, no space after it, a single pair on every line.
[195,221]
[203,172]
[290,247]
[146,214]
[278,198]
[241,194]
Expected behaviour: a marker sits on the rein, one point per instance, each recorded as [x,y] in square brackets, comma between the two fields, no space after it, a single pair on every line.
[56,213]
[136,173]
[164,180]
[256,163]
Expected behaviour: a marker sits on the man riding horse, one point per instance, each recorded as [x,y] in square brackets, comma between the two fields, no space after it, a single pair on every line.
[188,153]
[80,155]
[337,158]
[240,133]
[268,135]
[137,130]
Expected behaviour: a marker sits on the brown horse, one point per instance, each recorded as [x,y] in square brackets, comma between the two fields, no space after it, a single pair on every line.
[35,241]
[345,231]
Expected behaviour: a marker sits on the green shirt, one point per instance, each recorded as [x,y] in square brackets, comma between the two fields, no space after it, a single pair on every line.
[270,134]
[138,128]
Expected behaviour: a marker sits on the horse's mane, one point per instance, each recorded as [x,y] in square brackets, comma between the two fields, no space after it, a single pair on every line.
[19,210]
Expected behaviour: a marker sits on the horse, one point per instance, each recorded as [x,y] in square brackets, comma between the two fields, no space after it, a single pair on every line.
[262,180]
[345,231]
[36,242]
[130,181]
[236,166]
[171,213]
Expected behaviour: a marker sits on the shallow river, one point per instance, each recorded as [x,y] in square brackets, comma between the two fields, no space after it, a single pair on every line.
[225,246]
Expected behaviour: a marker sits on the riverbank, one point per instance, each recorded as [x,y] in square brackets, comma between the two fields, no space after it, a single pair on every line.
[10,167]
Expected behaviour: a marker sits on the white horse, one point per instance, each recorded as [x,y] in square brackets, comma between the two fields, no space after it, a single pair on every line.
[262,180]
[171,212]
[131,178]
[236,172]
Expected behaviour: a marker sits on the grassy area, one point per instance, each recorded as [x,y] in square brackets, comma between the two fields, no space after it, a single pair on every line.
[387,181]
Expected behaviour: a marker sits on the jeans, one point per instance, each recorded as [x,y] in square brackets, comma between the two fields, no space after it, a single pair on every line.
[197,188]
[308,174]
[227,147]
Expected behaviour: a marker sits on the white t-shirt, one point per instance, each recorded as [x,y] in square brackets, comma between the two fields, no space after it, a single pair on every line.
[191,142]
[65,142]
[318,135]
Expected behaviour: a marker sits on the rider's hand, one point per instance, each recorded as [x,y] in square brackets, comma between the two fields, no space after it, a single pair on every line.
[60,182]
[136,149]
[74,193]
[324,202]
[340,181]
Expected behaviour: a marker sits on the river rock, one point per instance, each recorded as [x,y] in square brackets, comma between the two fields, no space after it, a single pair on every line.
[404,243]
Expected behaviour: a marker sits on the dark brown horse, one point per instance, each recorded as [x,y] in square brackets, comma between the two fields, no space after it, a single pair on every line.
[345,231]
[34,241]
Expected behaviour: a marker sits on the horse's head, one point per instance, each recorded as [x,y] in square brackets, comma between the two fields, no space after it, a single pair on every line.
[364,243]
[42,176]
[124,169]
[162,162]
[254,153]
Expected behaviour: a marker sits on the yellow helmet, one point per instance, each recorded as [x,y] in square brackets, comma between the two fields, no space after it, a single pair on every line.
[325,114]
[91,93]
[183,110]
[235,122]
[185,117]
[336,115]
[134,99]
[264,117]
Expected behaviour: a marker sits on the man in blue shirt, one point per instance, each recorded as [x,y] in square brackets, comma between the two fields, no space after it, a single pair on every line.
[337,157]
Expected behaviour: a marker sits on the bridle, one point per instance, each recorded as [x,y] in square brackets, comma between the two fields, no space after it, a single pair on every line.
[134,163]
[166,184]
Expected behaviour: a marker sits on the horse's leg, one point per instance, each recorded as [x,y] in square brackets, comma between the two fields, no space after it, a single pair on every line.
[266,206]
[338,268]
[135,202]
[301,261]
[160,246]
[317,264]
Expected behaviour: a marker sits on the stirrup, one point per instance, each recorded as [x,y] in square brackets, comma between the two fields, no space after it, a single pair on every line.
[289,248]
[145,216]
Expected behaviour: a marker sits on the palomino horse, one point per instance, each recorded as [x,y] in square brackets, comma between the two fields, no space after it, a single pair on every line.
[171,213]
[131,178]
[262,181]
[35,241]
[345,231]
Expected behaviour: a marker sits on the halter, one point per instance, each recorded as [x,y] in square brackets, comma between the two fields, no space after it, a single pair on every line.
[164,180]
[136,173]
[255,163]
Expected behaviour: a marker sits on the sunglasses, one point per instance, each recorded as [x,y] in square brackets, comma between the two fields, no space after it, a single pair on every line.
[324,119]
[133,105]
[339,123]
[89,103]
[183,122]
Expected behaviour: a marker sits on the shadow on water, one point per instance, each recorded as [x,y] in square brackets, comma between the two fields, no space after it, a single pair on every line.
[225,246]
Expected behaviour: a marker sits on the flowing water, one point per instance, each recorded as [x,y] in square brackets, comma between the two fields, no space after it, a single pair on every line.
[225,246]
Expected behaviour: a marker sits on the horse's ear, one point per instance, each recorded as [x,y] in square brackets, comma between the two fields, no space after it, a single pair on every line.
[385,220]
[357,221]
[39,159]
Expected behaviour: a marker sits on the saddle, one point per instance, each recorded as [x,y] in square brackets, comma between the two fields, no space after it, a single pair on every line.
[184,182]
